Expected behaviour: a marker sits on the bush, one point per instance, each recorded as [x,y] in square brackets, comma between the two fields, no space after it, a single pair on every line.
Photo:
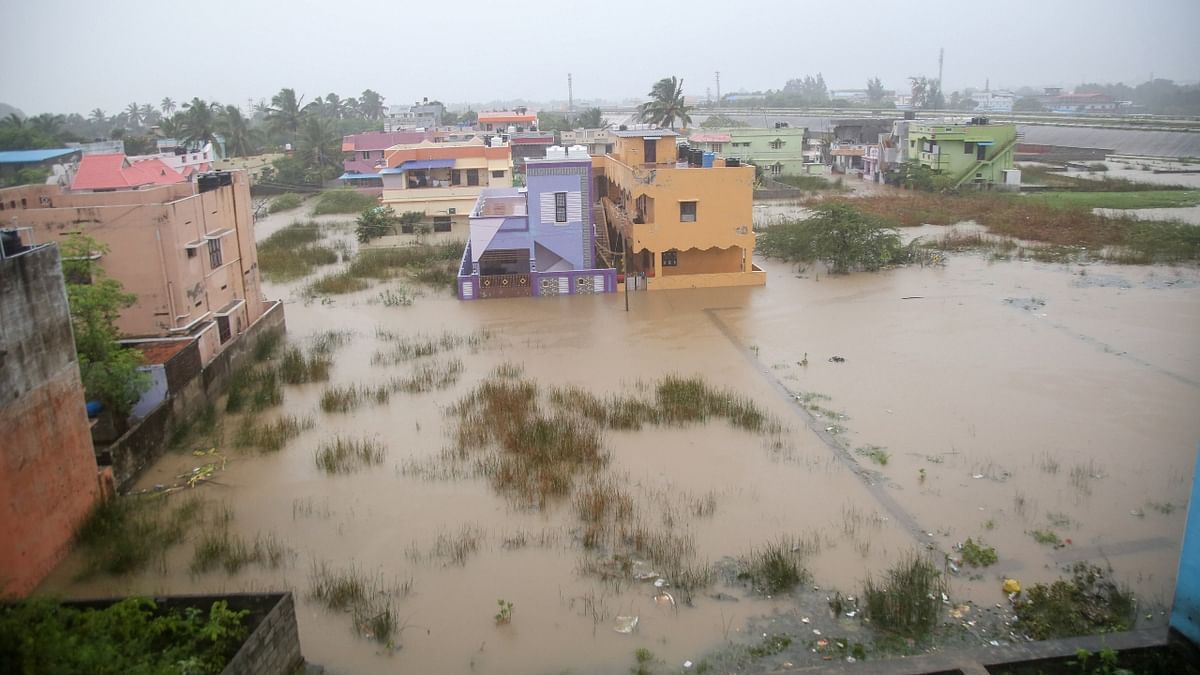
[131,636]
[343,201]
[838,235]
[285,202]
[375,222]
[909,597]
[1086,603]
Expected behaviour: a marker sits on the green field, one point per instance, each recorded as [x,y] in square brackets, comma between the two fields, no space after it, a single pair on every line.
[1143,199]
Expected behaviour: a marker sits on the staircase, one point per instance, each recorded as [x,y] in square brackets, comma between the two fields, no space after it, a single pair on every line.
[974,168]
[603,247]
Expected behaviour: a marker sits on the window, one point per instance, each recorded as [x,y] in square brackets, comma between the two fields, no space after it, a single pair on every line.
[560,207]
[776,169]
[455,177]
[366,155]
[777,144]
[716,147]
[687,212]
[223,329]
[968,148]
[442,223]
[912,144]
[191,252]
[214,253]
[497,174]
[472,176]
[670,259]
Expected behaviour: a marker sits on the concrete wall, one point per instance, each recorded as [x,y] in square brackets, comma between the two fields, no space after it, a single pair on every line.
[48,479]
[191,389]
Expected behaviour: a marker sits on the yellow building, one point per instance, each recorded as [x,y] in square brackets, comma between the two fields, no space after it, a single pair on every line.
[684,221]
[443,179]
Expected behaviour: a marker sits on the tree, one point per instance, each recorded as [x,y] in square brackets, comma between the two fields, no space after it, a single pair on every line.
[371,104]
[1028,104]
[721,122]
[149,114]
[666,104]
[167,105]
[592,118]
[13,121]
[238,136]
[805,92]
[933,96]
[376,222]
[550,121]
[109,371]
[284,115]
[838,235]
[919,88]
[134,112]
[97,115]
[875,90]
[200,121]
[319,148]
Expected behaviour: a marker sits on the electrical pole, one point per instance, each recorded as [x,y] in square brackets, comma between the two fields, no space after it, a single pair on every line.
[718,88]
[941,55]
[570,95]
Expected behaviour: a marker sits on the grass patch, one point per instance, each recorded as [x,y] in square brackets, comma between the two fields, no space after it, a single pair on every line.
[875,453]
[424,377]
[976,554]
[296,367]
[1041,175]
[346,455]
[285,202]
[1121,239]
[125,534]
[776,567]
[1087,602]
[271,436]
[811,182]
[343,201]
[908,599]
[255,388]
[222,549]
[366,597]
[338,283]
[1143,199]
[401,348]
[1048,537]
[293,252]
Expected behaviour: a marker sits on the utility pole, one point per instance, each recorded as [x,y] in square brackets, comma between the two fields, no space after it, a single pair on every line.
[570,95]
[625,267]
[941,55]
[718,88]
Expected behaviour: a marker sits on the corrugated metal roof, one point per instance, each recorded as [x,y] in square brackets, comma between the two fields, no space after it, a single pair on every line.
[33,156]
[644,133]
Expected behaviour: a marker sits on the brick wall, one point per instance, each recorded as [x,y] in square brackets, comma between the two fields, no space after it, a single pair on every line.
[274,646]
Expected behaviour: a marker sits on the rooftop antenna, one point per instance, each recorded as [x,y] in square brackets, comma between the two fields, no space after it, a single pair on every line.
[570,94]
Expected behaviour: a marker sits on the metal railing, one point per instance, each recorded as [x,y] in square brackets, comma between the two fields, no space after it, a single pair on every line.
[12,245]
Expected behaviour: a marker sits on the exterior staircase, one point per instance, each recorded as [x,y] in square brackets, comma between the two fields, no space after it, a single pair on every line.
[603,246]
[974,168]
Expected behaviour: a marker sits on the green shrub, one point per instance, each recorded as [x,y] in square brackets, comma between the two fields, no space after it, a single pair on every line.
[343,201]
[839,235]
[908,598]
[1086,603]
[285,202]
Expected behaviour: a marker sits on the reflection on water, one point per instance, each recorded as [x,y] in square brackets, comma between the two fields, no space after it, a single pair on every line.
[1008,397]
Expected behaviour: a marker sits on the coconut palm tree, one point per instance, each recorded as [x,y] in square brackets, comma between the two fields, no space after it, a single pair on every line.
[133,112]
[200,121]
[150,114]
[238,135]
[47,123]
[371,104]
[12,121]
[284,115]
[166,105]
[666,104]
[97,115]
[319,146]
[172,127]
[592,118]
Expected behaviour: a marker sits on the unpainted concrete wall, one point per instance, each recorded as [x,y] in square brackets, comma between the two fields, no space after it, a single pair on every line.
[48,479]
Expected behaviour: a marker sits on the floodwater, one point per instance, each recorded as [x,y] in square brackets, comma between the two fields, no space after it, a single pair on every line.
[1009,396]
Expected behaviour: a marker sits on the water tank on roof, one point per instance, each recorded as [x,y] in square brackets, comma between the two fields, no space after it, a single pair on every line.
[577,151]
[556,152]
[708,159]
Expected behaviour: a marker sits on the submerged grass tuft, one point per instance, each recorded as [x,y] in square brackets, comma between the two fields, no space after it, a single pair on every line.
[270,436]
[908,598]
[776,567]
[345,455]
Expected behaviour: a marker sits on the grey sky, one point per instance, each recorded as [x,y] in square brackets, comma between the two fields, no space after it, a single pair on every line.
[75,55]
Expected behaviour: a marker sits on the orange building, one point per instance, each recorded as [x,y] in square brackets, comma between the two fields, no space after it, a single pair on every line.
[186,250]
[683,221]
[443,180]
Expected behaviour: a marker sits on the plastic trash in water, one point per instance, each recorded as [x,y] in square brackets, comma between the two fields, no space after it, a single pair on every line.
[1012,586]
[625,624]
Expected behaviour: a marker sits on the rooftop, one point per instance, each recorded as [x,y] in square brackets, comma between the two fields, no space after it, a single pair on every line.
[710,138]
[644,133]
[501,202]
[33,156]
[115,172]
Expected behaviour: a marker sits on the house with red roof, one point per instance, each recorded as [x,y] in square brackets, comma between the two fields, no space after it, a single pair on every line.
[107,172]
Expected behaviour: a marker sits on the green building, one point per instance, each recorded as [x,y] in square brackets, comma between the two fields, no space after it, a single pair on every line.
[976,152]
[780,152]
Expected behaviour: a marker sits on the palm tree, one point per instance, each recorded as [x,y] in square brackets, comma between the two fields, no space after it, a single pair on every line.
[167,105]
[353,109]
[97,115]
[149,113]
[134,112]
[13,121]
[666,104]
[284,115]
[47,123]
[235,128]
[199,121]
[335,107]
[172,127]
[592,118]
[319,146]
[371,104]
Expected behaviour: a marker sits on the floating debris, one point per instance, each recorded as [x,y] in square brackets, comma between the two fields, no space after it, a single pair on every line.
[625,624]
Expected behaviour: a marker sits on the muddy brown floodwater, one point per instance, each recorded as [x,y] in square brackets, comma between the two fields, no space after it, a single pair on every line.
[1009,397]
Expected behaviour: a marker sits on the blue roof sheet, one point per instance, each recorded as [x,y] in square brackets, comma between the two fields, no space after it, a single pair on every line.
[358,176]
[414,164]
[31,156]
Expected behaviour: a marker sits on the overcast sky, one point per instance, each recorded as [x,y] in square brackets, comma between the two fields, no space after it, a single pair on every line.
[75,55]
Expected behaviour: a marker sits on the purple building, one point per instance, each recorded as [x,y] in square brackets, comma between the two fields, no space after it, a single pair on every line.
[537,240]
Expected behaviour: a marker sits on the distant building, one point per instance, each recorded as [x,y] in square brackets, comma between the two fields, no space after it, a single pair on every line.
[12,161]
[1083,103]
[850,95]
[101,173]
[684,220]
[185,250]
[976,152]
[778,152]
[363,154]
[48,474]
[443,179]
[421,115]
[526,145]
[993,101]
[538,240]
[188,160]
[508,120]
[597,141]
